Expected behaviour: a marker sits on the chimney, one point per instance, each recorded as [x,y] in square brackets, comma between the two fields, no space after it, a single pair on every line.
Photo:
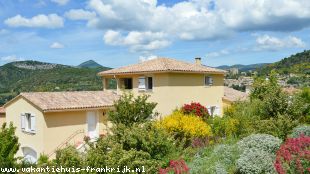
[198,60]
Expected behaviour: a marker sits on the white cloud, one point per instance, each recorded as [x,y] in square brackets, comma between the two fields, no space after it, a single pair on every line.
[43,21]
[137,41]
[145,58]
[57,45]
[200,19]
[218,53]
[11,58]
[61,2]
[80,14]
[266,42]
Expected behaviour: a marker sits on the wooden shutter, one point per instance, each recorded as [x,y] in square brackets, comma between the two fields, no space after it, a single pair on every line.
[23,121]
[32,123]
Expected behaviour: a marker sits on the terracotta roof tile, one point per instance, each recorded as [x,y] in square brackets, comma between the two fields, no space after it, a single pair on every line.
[51,101]
[233,95]
[162,65]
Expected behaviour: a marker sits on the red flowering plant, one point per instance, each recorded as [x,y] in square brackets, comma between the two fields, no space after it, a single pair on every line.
[176,167]
[294,156]
[195,109]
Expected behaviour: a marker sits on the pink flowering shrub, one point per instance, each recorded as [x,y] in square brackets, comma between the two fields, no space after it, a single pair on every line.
[176,167]
[294,156]
[195,109]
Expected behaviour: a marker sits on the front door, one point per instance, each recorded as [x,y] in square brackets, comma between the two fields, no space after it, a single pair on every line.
[92,125]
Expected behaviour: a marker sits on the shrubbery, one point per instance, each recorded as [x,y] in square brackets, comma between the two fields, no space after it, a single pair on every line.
[293,156]
[185,126]
[301,130]
[258,154]
[197,109]
[8,146]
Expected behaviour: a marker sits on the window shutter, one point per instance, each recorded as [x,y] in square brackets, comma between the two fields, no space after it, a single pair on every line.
[210,81]
[23,121]
[209,110]
[33,123]
[217,110]
[141,83]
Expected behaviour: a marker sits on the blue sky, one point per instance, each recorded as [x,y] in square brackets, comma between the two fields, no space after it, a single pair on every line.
[117,32]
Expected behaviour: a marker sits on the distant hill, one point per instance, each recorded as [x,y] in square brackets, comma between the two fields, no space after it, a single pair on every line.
[243,67]
[297,64]
[28,76]
[90,64]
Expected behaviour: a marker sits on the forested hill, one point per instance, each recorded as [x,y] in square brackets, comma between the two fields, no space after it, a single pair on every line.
[296,64]
[27,76]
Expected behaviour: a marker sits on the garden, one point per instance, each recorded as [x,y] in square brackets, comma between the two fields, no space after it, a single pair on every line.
[269,133]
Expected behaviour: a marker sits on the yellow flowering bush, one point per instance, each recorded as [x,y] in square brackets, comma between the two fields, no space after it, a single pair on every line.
[189,126]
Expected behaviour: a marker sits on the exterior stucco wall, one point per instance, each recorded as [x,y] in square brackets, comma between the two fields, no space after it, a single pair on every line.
[63,128]
[13,114]
[2,119]
[172,90]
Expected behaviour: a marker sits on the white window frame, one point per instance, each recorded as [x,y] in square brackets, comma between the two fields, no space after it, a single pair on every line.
[28,123]
[214,110]
[142,87]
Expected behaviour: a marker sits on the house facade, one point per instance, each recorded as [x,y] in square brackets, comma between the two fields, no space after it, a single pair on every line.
[47,121]
[170,83]
[2,115]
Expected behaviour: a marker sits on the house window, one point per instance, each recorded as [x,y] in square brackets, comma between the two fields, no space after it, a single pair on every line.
[141,83]
[28,122]
[145,83]
[214,110]
[208,81]
[127,83]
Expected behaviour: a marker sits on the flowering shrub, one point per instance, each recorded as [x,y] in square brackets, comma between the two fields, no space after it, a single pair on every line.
[294,156]
[195,109]
[301,130]
[185,126]
[263,142]
[175,166]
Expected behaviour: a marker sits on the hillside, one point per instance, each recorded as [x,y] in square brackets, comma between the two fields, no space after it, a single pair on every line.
[243,67]
[28,76]
[297,64]
[90,64]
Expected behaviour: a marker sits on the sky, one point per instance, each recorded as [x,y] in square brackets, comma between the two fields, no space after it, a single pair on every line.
[116,33]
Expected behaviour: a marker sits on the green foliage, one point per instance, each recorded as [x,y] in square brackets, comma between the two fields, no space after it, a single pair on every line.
[263,142]
[156,142]
[301,130]
[130,110]
[15,79]
[255,161]
[219,159]
[224,127]
[279,127]
[274,101]
[297,64]
[258,154]
[68,157]
[8,146]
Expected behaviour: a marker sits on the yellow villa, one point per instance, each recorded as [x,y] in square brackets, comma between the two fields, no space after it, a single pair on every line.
[46,121]
[170,83]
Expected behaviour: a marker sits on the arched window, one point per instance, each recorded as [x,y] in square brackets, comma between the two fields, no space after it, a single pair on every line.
[30,155]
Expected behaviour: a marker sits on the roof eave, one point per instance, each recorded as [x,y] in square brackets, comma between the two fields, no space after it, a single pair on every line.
[168,71]
[76,109]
